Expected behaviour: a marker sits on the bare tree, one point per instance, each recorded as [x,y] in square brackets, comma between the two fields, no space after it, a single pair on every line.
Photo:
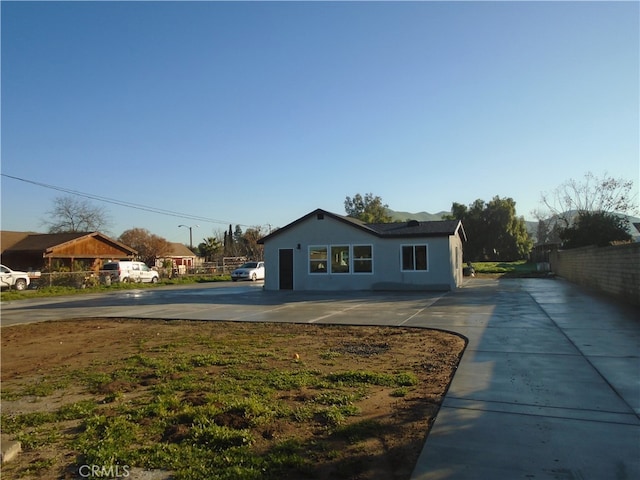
[71,214]
[593,194]
[252,248]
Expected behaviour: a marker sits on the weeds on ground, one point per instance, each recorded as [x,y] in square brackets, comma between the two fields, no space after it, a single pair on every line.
[218,409]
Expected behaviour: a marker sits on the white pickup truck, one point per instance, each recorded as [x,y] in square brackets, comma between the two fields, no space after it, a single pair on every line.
[13,279]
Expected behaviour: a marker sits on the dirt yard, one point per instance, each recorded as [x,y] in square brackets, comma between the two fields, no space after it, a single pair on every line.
[347,402]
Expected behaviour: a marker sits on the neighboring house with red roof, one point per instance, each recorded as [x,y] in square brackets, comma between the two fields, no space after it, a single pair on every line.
[325,251]
[41,251]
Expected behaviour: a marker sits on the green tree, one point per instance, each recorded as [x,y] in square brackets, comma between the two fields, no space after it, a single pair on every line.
[595,228]
[494,231]
[369,209]
[237,233]
[229,249]
[209,248]
[548,232]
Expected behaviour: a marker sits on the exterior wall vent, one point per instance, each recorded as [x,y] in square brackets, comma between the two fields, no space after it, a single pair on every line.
[320,216]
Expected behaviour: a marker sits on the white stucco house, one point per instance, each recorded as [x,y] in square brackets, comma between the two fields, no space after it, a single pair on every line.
[326,251]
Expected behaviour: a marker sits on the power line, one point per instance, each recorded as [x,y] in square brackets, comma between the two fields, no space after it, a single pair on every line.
[122,203]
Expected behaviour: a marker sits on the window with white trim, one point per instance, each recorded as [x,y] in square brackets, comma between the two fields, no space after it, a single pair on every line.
[318,259]
[414,258]
[362,259]
[340,259]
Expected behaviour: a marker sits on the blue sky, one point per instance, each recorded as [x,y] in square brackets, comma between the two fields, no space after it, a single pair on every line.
[257,113]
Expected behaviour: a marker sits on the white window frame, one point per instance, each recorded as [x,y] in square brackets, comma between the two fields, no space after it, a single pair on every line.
[413,246]
[354,259]
[331,253]
[326,260]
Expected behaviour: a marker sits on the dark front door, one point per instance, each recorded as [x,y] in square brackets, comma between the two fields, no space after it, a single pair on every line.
[286,269]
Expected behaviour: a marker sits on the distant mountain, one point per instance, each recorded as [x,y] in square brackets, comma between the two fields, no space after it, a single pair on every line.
[420,216]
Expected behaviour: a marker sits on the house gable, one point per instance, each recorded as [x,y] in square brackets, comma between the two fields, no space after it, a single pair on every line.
[92,245]
[319,215]
[180,256]
[35,251]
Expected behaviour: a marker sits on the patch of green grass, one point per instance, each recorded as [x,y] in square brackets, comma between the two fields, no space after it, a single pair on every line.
[303,413]
[400,392]
[16,423]
[94,380]
[77,410]
[107,440]
[36,429]
[510,269]
[39,465]
[9,395]
[335,415]
[336,398]
[359,431]
[352,378]
[218,438]
[157,407]
[47,386]
[292,379]
[330,355]
[37,437]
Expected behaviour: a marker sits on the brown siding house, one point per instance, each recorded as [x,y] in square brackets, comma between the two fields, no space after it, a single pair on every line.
[39,251]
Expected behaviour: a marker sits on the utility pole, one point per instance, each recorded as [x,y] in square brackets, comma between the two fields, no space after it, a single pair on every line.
[190,234]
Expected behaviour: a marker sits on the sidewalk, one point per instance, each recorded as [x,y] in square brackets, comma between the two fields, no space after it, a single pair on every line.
[548,388]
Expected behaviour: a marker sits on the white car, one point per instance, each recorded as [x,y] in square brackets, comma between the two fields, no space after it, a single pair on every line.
[249,271]
[130,272]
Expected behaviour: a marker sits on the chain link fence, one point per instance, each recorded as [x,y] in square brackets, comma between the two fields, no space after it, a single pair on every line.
[95,278]
[90,279]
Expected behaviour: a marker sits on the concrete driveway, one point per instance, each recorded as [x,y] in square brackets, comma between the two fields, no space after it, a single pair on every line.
[548,388]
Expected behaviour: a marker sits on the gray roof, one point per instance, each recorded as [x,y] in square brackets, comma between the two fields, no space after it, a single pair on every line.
[415,228]
[412,228]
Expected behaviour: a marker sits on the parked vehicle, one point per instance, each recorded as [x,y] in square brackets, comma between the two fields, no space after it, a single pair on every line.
[249,271]
[13,278]
[469,270]
[130,272]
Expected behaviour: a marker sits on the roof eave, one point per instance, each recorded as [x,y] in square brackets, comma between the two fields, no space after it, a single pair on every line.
[460,231]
